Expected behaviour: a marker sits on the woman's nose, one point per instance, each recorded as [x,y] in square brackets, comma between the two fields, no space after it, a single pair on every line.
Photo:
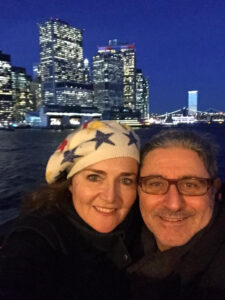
[109,192]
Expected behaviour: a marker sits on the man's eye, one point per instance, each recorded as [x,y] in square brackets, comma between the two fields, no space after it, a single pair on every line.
[154,183]
[127,180]
[191,184]
[93,177]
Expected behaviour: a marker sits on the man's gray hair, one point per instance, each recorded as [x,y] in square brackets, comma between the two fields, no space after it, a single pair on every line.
[202,144]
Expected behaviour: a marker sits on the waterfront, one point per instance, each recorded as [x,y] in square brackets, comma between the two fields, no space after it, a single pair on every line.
[24,154]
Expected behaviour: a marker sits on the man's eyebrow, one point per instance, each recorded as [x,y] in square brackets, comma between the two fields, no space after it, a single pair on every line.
[179,177]
[152,175]
[192,176]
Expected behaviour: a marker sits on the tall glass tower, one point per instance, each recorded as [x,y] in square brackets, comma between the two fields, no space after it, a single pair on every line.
[61,64]
[192,102]
[119,71]
[107,79]
[129,75]
[6,101]
[142,94]
[21,93]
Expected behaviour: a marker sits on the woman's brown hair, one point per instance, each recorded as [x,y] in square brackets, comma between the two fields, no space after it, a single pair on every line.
[50,197]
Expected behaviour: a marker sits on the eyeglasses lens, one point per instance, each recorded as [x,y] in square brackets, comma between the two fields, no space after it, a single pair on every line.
[185,186]
[192,186]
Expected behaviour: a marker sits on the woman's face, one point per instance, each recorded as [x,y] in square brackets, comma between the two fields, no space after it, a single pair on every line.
[103,193]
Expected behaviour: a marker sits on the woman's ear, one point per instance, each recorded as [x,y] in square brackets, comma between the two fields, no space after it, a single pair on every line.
[70,188]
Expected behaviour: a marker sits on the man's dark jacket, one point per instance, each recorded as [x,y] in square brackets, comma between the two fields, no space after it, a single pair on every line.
[193,271]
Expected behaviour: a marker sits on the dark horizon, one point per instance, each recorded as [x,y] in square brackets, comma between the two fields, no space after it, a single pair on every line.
[179,46]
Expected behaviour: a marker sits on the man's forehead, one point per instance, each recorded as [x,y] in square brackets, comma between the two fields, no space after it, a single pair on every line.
[171,152]
[174,161]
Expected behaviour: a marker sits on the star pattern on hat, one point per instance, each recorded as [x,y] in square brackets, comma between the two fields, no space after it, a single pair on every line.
[70,155]
[125,126]
[62,145]
[101,138]
[132,138]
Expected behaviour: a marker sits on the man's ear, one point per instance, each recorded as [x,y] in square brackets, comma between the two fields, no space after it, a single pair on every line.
[70,188]
[217,184]
[219,188]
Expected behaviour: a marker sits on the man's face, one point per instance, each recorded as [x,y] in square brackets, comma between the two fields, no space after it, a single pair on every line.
[174,218]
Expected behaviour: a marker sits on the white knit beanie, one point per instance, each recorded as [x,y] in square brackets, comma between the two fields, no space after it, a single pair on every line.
[93,142]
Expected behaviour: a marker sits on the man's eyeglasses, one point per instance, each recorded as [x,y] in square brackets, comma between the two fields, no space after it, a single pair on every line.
[189,186]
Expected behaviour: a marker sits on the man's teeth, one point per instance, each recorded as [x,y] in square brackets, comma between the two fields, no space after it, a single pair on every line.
[173,220]
[105,210]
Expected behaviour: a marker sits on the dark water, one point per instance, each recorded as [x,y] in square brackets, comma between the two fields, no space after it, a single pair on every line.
[24,154]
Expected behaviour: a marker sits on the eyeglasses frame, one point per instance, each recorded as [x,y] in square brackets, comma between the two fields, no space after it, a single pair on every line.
[175,182]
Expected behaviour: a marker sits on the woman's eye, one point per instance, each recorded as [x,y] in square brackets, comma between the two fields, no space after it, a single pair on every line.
[93,177]
[127,181]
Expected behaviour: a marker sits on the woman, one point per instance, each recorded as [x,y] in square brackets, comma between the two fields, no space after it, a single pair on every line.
[75,237]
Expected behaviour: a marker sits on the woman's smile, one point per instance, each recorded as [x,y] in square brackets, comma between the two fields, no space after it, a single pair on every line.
[103,193]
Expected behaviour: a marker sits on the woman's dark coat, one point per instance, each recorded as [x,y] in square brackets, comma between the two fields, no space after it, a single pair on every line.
[58,256]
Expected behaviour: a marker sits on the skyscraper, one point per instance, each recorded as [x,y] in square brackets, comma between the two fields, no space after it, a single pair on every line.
[22,100]
[6,101]
[61,64]
[107,79]
[129,75]
[116,63]
[87,71]
[192,102]
[35,87]
[142,94]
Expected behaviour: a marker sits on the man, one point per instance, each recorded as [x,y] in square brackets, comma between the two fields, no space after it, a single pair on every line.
[184,236]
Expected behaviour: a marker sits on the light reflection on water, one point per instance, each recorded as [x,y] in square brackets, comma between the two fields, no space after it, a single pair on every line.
[24,154]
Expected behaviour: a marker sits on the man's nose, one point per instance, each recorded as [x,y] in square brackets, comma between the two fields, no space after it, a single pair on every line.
[173,199]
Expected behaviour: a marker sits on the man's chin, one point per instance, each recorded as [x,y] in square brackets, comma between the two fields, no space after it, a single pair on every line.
[166,244]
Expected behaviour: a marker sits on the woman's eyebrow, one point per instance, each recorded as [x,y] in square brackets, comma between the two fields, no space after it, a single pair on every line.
[103,172]
[95,170]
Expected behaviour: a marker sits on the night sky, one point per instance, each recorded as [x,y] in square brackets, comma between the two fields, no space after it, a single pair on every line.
[180,44]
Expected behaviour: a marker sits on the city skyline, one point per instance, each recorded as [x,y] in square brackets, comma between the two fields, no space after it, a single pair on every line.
[180,46]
